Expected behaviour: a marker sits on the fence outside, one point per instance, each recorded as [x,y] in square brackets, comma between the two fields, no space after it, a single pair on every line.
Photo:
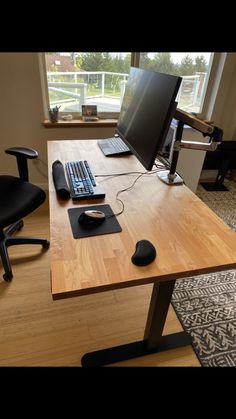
[82,87]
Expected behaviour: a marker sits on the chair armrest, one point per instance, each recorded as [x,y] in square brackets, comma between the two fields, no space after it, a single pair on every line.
[22,154]
[29,153]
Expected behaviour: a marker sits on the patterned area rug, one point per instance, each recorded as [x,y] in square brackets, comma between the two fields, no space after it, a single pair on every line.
[206,304]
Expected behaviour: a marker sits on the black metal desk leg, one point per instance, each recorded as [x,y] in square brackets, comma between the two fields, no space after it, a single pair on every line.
[158,309]
[153,339]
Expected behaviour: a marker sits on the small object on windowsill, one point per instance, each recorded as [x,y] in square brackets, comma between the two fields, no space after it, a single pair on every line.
[89,113]
[67,117]
[53,113]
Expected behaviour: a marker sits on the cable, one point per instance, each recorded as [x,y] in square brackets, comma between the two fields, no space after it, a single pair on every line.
[129,188]
[118,174]
[37,166]
[132,173]
[164,161]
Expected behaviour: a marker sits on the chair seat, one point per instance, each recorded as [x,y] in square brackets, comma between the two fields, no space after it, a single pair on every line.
[17,199]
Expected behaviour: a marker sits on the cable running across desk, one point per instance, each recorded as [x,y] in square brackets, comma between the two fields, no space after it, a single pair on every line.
[160,168]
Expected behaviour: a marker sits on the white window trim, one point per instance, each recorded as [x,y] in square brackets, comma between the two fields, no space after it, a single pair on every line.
[213,85]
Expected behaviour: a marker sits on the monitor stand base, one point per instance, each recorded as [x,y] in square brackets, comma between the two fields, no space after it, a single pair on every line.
[170,180]
[211,186]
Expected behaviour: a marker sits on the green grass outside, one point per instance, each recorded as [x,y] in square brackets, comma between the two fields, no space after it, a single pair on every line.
[91,91]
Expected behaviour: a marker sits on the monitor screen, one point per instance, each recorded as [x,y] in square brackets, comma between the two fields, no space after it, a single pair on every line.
[146,113]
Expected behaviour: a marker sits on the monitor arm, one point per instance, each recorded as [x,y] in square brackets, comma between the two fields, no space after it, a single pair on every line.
[205,127]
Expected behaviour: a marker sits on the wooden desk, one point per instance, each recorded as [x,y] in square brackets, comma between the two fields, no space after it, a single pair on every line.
[189,238]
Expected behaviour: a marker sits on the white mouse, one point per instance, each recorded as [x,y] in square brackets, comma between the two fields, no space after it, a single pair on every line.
[91,218]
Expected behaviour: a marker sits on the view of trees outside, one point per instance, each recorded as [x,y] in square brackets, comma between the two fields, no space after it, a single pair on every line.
[193,67]
[103,61]
[99,73]
[164,62]
[108,62]
[104,75]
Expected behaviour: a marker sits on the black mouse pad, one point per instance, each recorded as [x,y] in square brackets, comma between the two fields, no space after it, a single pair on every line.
[110,225]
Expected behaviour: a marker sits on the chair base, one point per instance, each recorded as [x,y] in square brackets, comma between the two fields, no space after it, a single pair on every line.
[7,240]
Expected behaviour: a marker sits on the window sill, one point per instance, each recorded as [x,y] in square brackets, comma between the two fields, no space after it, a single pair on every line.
[80,123]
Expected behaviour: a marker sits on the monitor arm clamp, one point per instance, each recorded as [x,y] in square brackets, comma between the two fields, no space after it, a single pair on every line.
[214,133]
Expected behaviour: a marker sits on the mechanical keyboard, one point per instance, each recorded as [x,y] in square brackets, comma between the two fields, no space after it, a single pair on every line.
[113,146]
[81,181]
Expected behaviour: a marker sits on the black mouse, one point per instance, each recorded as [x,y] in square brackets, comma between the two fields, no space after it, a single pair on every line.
[91,218]
[144,253]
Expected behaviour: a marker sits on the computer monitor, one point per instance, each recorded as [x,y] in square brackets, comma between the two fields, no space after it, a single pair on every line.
[146,113]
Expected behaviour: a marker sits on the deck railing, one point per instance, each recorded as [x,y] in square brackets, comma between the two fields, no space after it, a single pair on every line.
[95,84]
[83,85]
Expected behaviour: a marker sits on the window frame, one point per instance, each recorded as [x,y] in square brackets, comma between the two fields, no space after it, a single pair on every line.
[76,115]
[135,60]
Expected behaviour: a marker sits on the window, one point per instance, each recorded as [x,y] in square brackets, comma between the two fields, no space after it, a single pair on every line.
[92,78]
[97,78]
[194,68]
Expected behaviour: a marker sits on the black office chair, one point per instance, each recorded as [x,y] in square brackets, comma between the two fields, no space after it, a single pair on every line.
[18,198]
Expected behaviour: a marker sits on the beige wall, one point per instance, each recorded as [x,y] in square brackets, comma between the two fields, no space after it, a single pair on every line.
[21,112]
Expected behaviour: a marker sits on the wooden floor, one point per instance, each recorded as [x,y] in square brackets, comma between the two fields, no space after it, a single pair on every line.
[37,331]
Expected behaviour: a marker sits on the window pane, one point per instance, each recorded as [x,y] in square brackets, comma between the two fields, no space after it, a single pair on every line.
[76,79]
[194,68]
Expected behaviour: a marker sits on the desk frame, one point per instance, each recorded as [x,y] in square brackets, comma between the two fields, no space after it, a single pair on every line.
[153,340]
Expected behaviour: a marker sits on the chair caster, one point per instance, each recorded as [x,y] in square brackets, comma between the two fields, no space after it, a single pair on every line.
[46,245]
[8,276]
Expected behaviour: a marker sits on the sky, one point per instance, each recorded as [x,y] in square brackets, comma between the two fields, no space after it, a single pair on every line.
[177,56]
